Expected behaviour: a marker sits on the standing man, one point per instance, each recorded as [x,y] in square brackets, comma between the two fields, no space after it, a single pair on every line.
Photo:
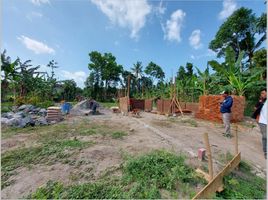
[263,122]
[226,106]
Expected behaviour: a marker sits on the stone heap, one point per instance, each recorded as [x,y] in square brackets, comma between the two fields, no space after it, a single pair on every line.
[25,115]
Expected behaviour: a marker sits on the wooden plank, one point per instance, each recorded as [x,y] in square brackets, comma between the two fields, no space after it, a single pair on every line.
[216,183]
[203,174]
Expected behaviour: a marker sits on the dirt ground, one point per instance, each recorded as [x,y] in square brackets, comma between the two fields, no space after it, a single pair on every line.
[150,132]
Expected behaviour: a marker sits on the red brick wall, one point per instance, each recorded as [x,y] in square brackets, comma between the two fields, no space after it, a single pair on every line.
[192,107]
[148,105]
[209,108]
[137,104]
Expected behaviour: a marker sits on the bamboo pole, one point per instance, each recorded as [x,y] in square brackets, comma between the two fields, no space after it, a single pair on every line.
[210,164]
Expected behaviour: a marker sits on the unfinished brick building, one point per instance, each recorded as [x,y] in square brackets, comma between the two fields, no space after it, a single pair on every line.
[209,108]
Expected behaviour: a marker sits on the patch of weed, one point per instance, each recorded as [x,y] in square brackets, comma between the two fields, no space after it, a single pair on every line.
[47,153]
[191,122]
[248,186]
[11,131]
[118,134]
[108,104]
[143,177]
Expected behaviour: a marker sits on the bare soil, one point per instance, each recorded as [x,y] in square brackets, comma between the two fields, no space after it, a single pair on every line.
[150,132]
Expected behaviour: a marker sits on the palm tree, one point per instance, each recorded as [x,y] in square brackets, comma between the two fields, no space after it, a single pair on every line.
[138,72]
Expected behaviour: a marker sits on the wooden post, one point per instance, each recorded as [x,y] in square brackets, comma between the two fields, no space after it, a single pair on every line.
[210,164]
[128,85]
[236,140]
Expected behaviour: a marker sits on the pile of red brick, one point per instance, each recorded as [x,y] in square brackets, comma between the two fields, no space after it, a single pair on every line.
[209,108]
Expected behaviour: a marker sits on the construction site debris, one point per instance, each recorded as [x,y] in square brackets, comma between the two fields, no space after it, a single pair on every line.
[85,107]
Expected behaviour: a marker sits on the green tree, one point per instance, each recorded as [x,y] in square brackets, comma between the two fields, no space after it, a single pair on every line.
[53,65]
[137,70]
[154,71]
[260,60]
[105,74]
[9,74]
[69,90]
[230,69]
[189,67]
[27,77]
[204,78]
[242,31]
[181,74]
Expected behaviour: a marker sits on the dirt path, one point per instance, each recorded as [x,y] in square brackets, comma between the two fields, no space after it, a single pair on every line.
[145,134]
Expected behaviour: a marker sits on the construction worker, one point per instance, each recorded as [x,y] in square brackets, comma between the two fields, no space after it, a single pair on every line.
[225,109]
[263,122]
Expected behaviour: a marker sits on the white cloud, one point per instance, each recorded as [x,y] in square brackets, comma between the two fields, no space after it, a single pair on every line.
[39,2]
[127,14]
[229,6]
[33,15]
[173,26]
[36,46]
[195,39]
[209,53]
[160,9]
[79,76]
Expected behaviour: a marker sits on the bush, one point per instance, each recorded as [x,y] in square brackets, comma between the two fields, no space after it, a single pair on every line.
[20,101]
[45,104]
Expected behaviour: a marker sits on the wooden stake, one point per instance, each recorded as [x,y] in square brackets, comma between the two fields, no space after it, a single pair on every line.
[210,165]
[128,85]
[236,140]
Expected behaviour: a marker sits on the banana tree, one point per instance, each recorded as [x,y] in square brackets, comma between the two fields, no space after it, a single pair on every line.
[230,69]
[203,78]
[9,74]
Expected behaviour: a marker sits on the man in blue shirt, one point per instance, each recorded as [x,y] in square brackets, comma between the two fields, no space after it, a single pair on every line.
[226,106]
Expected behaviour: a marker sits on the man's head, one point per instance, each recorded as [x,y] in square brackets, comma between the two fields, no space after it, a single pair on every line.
[225,93]
[264,94]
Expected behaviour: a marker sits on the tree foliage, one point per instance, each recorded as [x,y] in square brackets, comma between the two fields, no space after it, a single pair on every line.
[242,31]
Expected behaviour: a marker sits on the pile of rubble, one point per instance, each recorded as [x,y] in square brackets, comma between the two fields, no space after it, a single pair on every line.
[25,115]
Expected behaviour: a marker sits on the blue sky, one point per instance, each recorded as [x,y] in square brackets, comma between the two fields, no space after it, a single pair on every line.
[169,33]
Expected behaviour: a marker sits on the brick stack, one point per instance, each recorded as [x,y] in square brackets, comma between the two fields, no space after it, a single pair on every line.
[148,105]
[193,107]
[54,114]
[209,108]
[238,109]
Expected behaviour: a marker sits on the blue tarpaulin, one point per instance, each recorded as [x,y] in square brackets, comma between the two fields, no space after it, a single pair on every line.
[66,107]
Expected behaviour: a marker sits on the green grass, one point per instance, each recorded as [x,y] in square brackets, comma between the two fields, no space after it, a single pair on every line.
[118,134]
[49,152]
[242,184]
[6,106]
[245,186]
[144,177]
[108,104]
[191,122]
